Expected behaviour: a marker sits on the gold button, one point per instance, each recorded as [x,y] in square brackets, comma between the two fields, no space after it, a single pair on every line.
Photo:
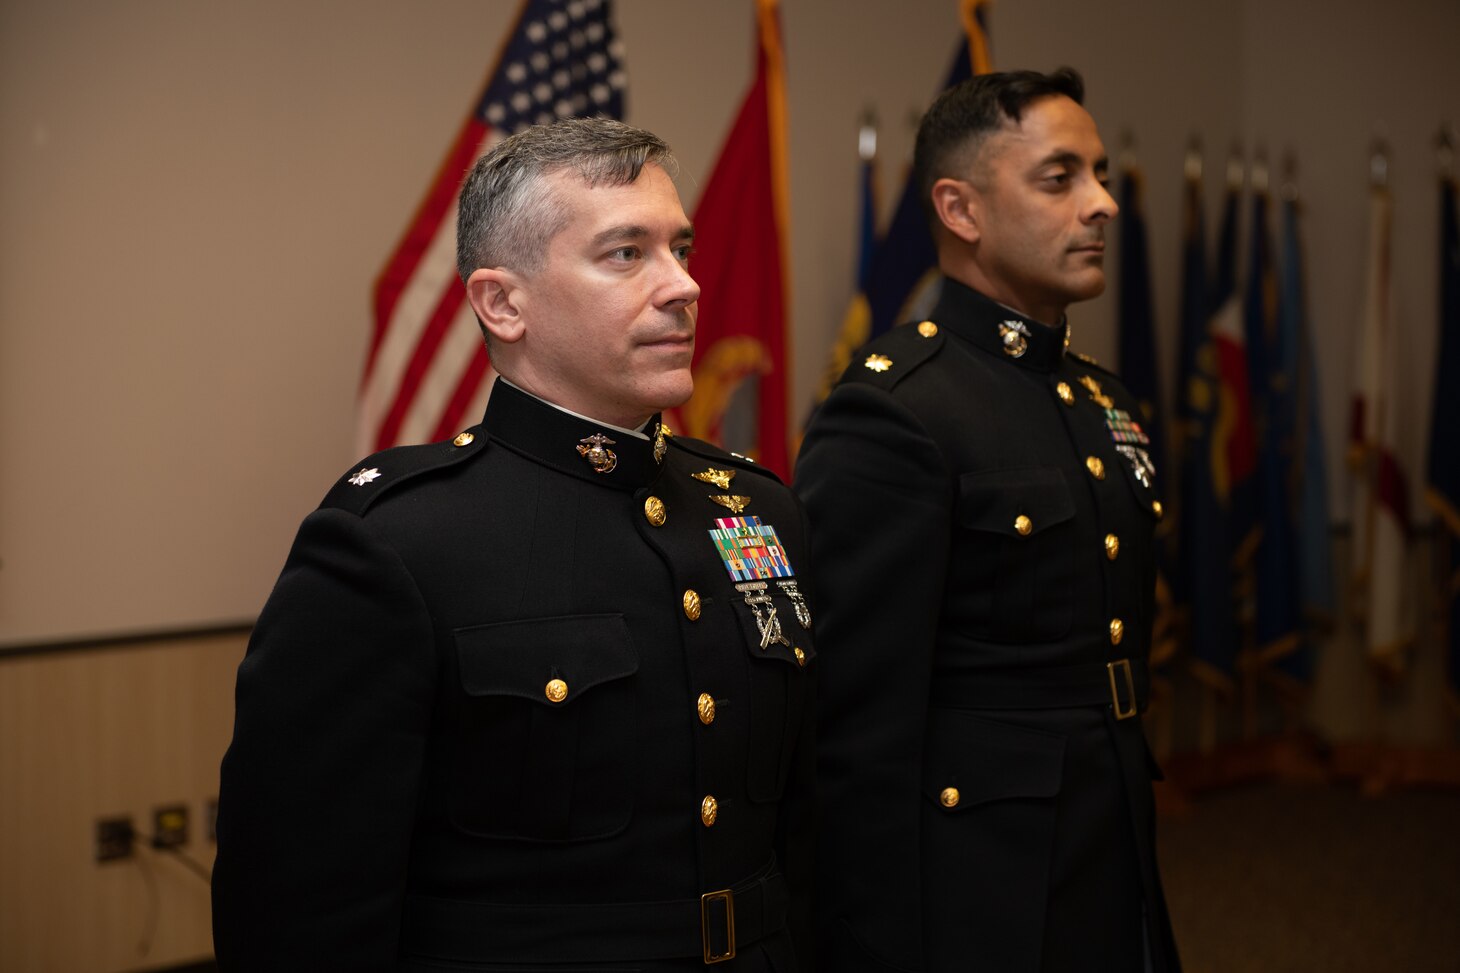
[1023,525]
[949,797]
[709,808]
[1112,546]
[927,329]
[1157,509]
[706,706]
[464,439]
[692,604]
[556,691]
[1066,394]
[1117,631]
[654,511]
[800,656]
[1096,468]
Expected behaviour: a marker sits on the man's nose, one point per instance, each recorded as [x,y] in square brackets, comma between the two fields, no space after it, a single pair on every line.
[1101,207]
[678,288]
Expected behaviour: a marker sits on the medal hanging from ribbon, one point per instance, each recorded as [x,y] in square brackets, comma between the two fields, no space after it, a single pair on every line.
[758,598]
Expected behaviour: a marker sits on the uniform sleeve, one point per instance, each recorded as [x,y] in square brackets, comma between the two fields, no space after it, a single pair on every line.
[319,784]
[878,496]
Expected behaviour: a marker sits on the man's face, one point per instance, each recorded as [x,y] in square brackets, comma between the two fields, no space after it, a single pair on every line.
[610,318]
[1042,205]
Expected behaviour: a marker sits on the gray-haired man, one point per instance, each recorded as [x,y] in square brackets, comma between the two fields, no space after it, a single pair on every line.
[534,698]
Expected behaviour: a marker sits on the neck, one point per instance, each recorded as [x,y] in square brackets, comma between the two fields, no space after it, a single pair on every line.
[970,274]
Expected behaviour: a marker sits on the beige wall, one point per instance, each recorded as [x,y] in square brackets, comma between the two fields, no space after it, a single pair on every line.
[195,197]
[85,735]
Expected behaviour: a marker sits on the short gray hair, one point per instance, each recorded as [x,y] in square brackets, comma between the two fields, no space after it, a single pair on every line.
[508,213]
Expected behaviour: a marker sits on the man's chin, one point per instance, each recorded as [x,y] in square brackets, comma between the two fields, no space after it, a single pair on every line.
[674,390]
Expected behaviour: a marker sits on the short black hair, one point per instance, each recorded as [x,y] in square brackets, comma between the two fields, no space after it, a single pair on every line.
[966,113]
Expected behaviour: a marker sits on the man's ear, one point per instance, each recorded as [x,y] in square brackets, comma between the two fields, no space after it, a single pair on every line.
[956,203]
[493,294]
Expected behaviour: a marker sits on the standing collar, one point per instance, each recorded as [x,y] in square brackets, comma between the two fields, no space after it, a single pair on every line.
[1000,330]
[573,444]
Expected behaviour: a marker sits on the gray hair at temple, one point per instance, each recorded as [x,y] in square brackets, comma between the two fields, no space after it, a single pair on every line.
[508,212]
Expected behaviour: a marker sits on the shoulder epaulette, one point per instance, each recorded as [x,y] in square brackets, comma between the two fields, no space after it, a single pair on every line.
[889,359]
[714,454]
[1090,360]
[372,477]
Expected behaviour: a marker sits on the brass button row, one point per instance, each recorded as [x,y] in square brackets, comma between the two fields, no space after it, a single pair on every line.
[556,691]
[1117,631]
[1066,394]
[1112,546]
[706,708]
[1095,466]
[949,797]
[654,511]
[709,810]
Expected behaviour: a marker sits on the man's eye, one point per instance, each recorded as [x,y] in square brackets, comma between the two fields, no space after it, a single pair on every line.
[682,252]
[625,253]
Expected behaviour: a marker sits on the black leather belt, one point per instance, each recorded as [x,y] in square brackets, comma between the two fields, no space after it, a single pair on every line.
[1123,684]
[712,926]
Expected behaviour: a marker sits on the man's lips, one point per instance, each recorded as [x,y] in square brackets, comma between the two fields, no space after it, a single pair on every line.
[670,340]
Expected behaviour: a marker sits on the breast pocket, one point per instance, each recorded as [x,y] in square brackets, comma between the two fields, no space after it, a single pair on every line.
[1013,561]
[776,627]
[548,728]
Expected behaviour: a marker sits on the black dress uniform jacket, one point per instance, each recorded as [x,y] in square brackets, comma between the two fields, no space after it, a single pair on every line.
[985,575]
[504,711]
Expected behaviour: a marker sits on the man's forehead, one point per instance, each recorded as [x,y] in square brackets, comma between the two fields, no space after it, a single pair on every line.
[1045,129]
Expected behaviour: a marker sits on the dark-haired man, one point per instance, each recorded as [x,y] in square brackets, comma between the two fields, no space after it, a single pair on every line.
[535,698]
[982,511]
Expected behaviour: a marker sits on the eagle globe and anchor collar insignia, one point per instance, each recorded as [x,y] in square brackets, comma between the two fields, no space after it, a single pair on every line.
[594,449]
[1014,335]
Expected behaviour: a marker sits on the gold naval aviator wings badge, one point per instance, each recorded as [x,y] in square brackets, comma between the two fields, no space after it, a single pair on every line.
[720,478]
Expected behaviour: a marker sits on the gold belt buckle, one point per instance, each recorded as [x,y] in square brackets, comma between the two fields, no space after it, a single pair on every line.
[728,897]
[1130,687]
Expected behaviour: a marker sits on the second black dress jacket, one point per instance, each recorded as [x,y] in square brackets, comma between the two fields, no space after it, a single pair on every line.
[982,515]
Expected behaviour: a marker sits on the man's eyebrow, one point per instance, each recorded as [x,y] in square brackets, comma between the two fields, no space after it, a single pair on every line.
[626,231]
[1073,160]
[635,231]
[1061,157]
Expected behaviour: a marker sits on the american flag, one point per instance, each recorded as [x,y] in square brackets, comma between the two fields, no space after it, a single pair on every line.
[427,372]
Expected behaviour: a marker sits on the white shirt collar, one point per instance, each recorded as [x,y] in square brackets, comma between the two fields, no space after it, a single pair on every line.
[597,422]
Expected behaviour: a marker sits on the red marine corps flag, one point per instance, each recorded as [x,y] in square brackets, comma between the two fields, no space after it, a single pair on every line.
[427,374]
[741,360]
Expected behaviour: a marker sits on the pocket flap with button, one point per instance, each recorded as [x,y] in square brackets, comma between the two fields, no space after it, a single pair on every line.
[548,660]
[970,760]
[995,500]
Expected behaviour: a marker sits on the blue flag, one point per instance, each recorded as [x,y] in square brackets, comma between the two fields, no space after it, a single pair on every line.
[1272,355]
[1204,540]
[1312,531]
[1444,458]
